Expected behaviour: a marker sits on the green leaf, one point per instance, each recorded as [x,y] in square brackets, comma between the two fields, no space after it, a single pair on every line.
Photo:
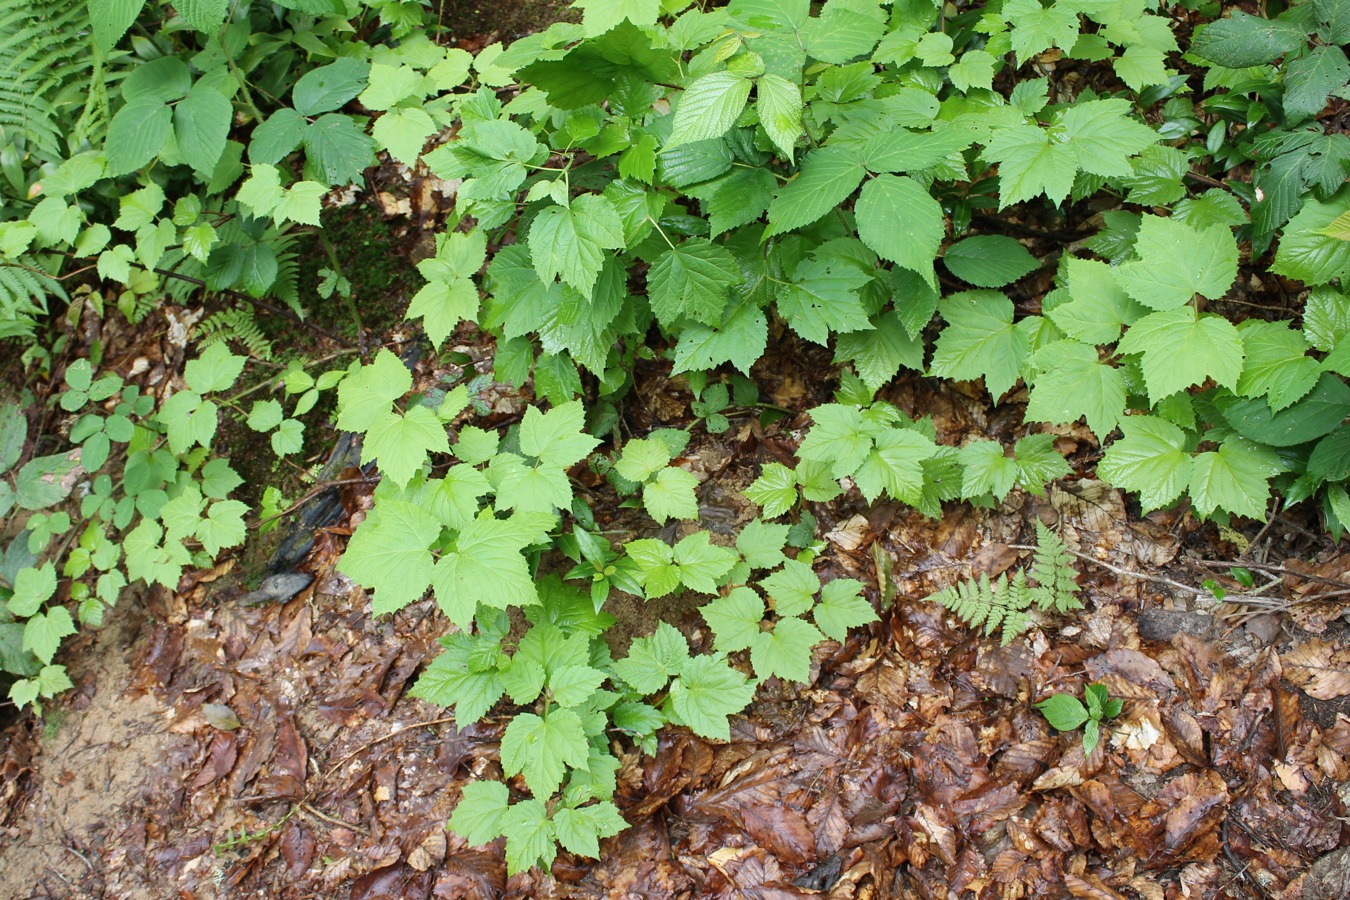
[838,439]
[1180,349]
[1276,363]
[42,634]
[1073,383]
[779,104]
[401,442]
[701,564]
[478,815]
[389,554]
[671,495]
[709,107]
[403,132]
[262,191]
[486,566]
[792,588]
[775,490]
[475,445]
[902,222]
[442,305]
[1309,79]
[786,650]
[1031,164]
[215,370]
[842,607]
[1098,307]
[761,543]
[13,434]
[574,685]
[1036,28]
[1176,262]
[388,85]
[329,87]
[877,355]
[989,261]
[1317,414]
[1235,478]
[139,208]
[203,15]
[692,280]
[218,479]
[823,297]
[578,830]
[201,123]
[734,619]
[602,15]
[895,466]
[336,149]
[570,242]
[1103,136]
[365,397]
[542,748]
[827,178]
[165,79]
[841,34]
[1330,459]
[1244,40]
[1306,252]
[1149,459]
[706,693]
[975,70]
[110,19]
[300,203]
[32,588]
[137,134]
[642,458]
[557,437]
[1063,711]
[980,341]
[986,469]
[653,660]
[529,836]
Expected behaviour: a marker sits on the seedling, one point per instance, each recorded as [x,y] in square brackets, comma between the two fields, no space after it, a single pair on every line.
[1066,712]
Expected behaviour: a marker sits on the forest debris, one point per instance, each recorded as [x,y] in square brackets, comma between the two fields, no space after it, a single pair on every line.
[1320,669]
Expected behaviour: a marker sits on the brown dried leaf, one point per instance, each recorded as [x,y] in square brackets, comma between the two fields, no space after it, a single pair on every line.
[1321,669]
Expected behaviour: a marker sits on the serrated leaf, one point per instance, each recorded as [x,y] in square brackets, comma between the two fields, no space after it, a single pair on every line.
[1176,262]
[1149,459]
[878,354]
[761,543]
[823,297]
[709,107]
[137,134]
[110,19]
[43,632]
[401,442]
[1031,164]
[653,660]
[792,588]
[1305,252]
[389,553]
[1036,28]
[570,242]
[329,87]
[1181,349]
[403,132]
[487,567]
[543,748]
[1072,383]
[775,490]
[986,469]
[902,222]
[779,104]
[701,563]
[201,123]
[1063,712]
[895,466]
[989,261]
[1235,478]
[215,370]
[1311,78]
[529,836]
[1103,136]
[671,495]
[336,149]
[692,280]
[706,693]
[1276,363]
[980,341]
[1330,459]
[578,830]
[841,608]
[1098,306]
[364,397]
[574,685]
[786,650]
[837,439]
[1243,40]
[827,178]
[478,815]
[442,305]
[557,437]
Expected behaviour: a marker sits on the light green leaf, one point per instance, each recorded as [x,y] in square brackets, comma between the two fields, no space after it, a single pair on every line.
[1037,28]
[110,19]
[557,438]
[32,588]
[442,305]
[542,748]
[1176,262]
[671,495]
[792,588]
[709,107]
[389,554]
[838,439]
[1103,136]
[902,222]
[1306,252]
[779,104]
[986,469]
[487,566]
[42,634]
[980,341]
[642,458]
[215,370]
[578,830]
[574,685]
[877,355]
[529,836]
[823,297]
[827,178]
[1235,478]
[602,15]
[761,543]
[1031,164]
[702,564]
[262,191]
[401,442]
[842,607]
[1098,307]
[365,397]
[478,815]
[1063,711]
[895,466]
[706,693]
[1150,459]
[569,242]
[1276,363]
[1073,383]
[786,650]
[403,132]
[223,526]
[388,85]
[1180,349]
[775,490]
[653,660]
[301,203]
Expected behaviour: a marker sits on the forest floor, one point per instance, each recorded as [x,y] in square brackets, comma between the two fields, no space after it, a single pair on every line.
[216,748]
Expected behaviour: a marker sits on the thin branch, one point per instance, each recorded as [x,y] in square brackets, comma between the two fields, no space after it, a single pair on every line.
[1156,579]
[1277,570]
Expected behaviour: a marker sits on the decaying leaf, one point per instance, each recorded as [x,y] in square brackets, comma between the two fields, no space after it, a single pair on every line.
[1320,668]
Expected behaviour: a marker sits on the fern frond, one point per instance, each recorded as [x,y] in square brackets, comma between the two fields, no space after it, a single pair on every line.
[286,288]
[24,290]
[1052,569]
[47,63]
[997,605]
[235,324]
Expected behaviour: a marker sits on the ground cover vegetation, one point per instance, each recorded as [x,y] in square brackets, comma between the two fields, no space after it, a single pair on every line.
[660,184]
